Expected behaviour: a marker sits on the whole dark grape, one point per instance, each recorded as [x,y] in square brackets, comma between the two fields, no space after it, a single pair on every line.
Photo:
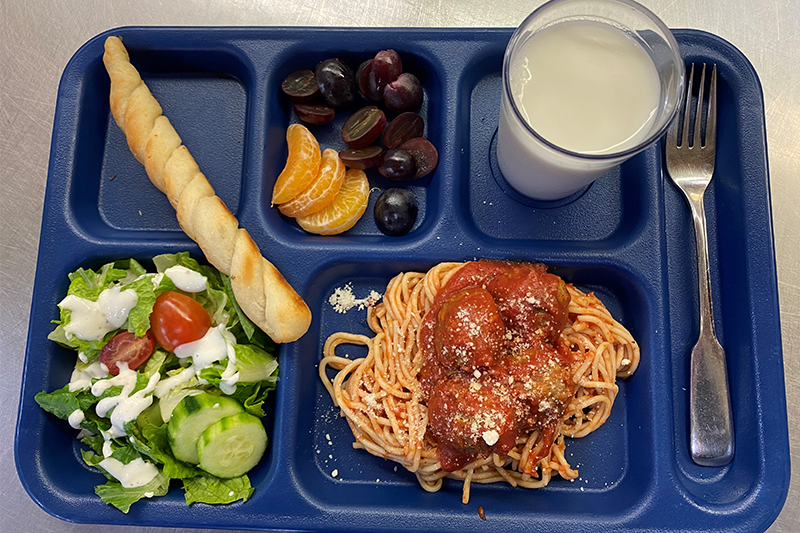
[336,82]
[396,211]
[397,165]
[403,94]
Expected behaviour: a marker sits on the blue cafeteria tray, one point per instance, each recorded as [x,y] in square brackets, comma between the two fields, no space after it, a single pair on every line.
[628,238]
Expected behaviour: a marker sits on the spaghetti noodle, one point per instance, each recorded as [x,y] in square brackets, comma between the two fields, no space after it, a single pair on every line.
[381,398]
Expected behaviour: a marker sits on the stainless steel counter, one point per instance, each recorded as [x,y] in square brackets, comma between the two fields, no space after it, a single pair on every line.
[37,38]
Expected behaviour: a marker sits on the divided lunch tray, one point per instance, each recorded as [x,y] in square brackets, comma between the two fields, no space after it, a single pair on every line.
[628,237]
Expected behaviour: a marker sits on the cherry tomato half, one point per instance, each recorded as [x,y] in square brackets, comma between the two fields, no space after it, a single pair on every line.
[177,319]
[126,347]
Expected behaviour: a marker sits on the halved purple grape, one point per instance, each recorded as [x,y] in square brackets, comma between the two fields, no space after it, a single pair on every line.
[386,67]
[314,114]
[425,155]
[300,86]
[403,94]
[366,82]
[361,158]
[336,82]
[397,165]
[363,127]
[395,211]
[405,126]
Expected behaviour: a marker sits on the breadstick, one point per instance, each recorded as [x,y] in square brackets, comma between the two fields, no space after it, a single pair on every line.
[261,291]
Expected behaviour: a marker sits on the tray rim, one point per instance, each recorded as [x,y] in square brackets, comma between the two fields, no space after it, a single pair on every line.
[241,30]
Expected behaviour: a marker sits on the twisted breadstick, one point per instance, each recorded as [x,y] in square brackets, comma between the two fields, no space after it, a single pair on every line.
[261,291]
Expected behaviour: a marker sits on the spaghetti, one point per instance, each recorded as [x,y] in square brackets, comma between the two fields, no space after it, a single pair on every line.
[381,398]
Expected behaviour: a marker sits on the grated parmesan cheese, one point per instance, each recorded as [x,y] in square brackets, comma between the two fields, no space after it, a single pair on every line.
[490,437]
[343,299]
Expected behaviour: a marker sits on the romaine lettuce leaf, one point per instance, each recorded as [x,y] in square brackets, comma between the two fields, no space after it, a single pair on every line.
[251,395]
[153,441]
[113,493]
[255,364]
[63,403]
[139,317]
[254,403]
[209,489]
[216,303]
[133,269]
[156,363]
[88,284]
[95,442]
[165,261]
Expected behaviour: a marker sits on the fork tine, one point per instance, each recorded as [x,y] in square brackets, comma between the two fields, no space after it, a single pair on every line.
[687,110]
[698,115]
[711,123]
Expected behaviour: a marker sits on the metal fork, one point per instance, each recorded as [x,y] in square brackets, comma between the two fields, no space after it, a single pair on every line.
[691,169]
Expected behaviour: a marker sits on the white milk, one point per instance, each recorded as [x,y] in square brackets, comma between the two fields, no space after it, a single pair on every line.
[584,86]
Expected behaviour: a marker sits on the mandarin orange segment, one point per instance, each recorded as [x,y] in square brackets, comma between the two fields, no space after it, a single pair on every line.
[322,191]
[344,211]
[302,165]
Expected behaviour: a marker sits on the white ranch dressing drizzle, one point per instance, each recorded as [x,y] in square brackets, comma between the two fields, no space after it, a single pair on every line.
[186,279]
[137,473]
[231,374]
[116,304]
[75,418]
[126,406]
[90,321]
[214,346]
[82,375]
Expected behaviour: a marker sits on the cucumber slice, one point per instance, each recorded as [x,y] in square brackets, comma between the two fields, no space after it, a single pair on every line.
[232,446]
[191,417]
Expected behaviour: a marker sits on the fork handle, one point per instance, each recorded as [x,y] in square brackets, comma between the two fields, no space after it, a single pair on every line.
[711,423]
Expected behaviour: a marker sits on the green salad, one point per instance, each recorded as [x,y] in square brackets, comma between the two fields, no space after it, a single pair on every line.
[169,383]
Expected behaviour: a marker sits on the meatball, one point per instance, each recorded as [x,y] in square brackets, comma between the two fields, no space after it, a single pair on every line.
[471,415]
[532,302]
[541,377]
[469,330]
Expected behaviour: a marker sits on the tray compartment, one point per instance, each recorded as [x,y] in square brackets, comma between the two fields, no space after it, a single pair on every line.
[416,60]
[64,477]
[495,209]
[205,96]
[613,467]
[728,218]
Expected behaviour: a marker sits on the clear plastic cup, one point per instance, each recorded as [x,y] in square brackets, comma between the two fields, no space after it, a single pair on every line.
[546,169]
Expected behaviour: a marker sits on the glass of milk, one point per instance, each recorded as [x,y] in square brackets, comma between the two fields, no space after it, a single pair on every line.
[586,85]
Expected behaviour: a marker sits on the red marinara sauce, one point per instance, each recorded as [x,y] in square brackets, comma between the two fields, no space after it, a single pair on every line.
[494,365]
